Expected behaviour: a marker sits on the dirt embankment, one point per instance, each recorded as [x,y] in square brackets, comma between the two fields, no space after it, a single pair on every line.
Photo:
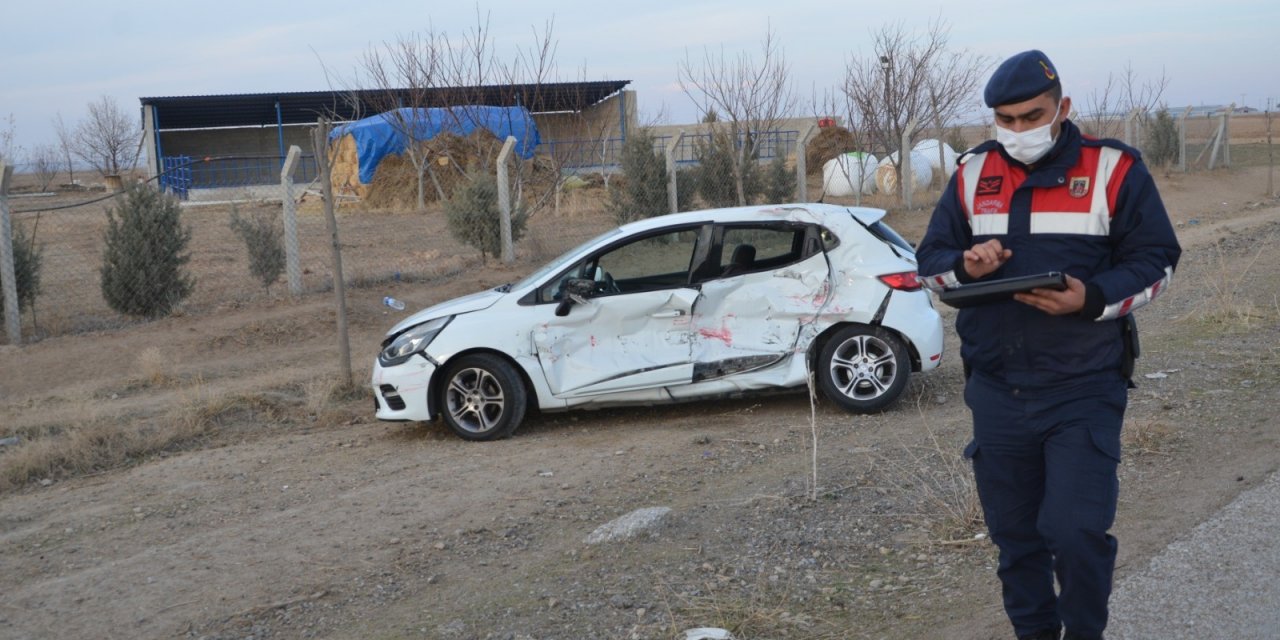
[295,515]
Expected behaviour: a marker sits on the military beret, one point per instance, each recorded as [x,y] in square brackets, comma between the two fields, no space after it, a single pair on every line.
[1021,77]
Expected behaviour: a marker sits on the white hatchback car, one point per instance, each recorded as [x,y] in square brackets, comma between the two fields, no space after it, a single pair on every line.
[687,306]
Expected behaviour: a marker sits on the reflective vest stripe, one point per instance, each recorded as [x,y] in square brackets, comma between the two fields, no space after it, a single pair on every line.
[969,177]
[990,224]
[1109,170]
[1137,300]
[1089,224]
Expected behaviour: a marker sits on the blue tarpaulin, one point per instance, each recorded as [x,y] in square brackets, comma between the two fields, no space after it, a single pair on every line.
[385,133]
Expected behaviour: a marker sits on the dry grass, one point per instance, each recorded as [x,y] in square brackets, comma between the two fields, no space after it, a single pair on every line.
[92,442]
[1146,437]
[153,368]
[1227,302]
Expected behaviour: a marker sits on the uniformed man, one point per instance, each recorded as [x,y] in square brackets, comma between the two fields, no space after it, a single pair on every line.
[1047,371]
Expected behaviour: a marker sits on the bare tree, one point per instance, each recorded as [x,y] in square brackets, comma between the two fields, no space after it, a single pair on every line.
[106,138]
[66,145]
[9,149]
[1123,93]
[403,73]
[911,79]
[44,165]
[836,103]
[749,96]
[461,75]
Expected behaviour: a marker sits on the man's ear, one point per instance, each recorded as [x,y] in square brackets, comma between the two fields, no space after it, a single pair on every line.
[1065,111]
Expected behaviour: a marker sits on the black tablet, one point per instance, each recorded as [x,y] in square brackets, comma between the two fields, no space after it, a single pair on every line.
[987,291]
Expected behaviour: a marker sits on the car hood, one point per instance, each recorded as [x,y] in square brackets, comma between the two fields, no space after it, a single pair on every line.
[465,304]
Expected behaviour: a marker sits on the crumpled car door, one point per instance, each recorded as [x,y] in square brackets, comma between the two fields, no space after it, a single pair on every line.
[619,343]
[750,321]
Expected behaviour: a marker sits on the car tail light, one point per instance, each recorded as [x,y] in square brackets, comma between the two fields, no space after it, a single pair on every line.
[904,281]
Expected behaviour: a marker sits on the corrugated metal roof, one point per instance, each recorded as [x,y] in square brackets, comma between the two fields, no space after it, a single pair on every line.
[260,109]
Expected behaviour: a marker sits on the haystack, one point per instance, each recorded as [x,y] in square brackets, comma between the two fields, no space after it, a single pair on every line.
[829,143]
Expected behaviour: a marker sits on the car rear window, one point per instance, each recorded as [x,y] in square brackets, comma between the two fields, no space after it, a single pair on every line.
[887,234]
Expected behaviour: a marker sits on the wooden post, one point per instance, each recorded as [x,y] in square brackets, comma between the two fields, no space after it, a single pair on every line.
[321,142]
[802,163]
[290,219]
[669,153]
[12,317]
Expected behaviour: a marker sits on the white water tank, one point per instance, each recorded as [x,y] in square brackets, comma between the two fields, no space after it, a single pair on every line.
[841,173]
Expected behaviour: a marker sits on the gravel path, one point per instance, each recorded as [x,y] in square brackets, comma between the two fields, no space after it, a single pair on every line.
[1221,581]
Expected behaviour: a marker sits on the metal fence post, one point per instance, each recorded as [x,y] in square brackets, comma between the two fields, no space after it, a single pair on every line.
[802,163]
[12,317]
[673,196]
[291,220]
[504,201]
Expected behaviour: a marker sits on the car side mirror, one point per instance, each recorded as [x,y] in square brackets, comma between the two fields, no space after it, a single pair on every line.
[574,291]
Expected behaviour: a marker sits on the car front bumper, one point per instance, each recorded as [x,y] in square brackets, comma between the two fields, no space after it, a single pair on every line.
[402,391]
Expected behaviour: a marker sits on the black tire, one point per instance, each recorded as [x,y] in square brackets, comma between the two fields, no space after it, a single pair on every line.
[482,397]
[863,369]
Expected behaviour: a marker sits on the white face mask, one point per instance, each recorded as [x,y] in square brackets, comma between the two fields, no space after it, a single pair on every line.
[1031,145]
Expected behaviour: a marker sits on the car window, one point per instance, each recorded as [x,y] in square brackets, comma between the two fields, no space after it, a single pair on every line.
[653,262]
[745,249]
[886,233]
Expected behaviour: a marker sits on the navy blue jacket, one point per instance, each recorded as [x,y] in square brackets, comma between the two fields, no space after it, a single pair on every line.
[1089,209]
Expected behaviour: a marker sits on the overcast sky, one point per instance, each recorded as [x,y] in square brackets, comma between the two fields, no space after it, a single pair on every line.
[58,56]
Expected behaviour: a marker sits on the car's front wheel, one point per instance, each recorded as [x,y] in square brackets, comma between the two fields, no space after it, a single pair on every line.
[483,397]
[863,369]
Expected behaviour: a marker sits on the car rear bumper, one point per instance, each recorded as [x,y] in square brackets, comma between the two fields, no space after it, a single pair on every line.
[401,392]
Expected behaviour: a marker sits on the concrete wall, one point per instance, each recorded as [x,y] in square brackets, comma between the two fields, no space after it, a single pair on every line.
[608,119]
[255,141]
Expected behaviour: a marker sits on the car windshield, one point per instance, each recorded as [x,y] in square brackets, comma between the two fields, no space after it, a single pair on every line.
[560,262]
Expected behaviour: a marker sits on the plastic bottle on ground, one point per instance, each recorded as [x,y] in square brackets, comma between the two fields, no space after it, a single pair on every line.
[398,305]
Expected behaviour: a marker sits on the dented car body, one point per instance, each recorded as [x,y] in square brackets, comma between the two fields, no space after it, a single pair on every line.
[693,305]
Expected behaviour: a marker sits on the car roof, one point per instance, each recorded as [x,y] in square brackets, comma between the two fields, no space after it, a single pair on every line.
[831,214]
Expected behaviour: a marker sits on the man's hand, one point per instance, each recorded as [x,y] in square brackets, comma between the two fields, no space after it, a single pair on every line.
[984,258]
[1056,303]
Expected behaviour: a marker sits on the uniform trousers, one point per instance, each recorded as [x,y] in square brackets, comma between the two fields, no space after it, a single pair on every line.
[1044,461]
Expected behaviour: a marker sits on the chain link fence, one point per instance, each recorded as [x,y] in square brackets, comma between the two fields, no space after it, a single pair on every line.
[265,244]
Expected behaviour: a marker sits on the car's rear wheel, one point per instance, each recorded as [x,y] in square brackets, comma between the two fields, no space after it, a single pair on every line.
[863,369]
[483,397]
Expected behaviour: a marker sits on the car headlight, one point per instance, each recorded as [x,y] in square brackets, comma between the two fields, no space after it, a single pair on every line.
[411,341]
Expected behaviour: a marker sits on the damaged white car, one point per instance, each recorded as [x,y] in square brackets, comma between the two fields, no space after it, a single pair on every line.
[693,305]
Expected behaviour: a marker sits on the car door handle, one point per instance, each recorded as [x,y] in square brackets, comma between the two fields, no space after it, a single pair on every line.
[674,313]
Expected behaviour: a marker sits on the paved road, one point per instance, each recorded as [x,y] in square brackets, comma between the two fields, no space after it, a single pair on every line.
[1222,581]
